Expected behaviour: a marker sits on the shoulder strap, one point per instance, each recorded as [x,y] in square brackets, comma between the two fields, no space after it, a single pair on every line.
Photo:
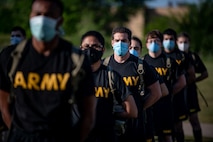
[111,79]
[182,55]
[77,73]
[193,56]
[168,62]
[168,65]
[106,61]
[117,107]
[77,61]
[16,55]
[140,71]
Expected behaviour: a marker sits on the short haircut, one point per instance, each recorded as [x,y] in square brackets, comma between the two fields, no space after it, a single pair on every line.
[95,34]
[170,31]
[154,34]
[122,30]
[184,34]
[58,3]
[138,40]
[18,28]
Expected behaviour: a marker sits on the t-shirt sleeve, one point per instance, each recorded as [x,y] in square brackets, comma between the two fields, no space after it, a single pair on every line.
[199,65]
[150,76]
[5,62]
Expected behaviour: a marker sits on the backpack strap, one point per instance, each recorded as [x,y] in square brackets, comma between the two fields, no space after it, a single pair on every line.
[111,79]
[16,55]
[106,61]
[168,65]
[140,71]
[77,73]
[193,56]
[117,107]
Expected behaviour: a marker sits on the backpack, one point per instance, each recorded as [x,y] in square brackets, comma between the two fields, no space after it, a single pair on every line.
[120,125]
[140,71]
[77,74]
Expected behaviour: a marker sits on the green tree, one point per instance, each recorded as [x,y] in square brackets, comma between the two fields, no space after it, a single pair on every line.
[79,15]
[198,23]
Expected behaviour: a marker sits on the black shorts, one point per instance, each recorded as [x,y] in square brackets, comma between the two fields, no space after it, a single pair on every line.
[192,100]
[163,116]
[180,106]
[18,135]
[149,126]
[135,130]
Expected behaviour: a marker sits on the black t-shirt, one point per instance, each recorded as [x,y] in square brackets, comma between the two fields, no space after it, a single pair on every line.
[42,86]
[128,71]
[183,63]
[181,58]
[106,100]
[197,62]
[169,75]
[199,68]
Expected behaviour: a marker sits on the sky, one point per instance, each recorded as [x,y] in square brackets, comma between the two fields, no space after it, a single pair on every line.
[164,3]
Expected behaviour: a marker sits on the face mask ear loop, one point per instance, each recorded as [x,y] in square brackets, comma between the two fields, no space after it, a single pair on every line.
[59,29]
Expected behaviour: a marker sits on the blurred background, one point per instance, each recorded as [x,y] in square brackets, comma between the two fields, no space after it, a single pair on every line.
[141,16]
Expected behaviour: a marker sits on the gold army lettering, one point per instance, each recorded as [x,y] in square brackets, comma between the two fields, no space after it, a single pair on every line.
[131,80]
[49,81]
[102,92]
[178,62]
[161,71]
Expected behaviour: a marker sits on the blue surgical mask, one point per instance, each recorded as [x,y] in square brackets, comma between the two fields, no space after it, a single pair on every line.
[120,48]
[15,40]
[133,52]
[169,44]
[154,47]
[43,28]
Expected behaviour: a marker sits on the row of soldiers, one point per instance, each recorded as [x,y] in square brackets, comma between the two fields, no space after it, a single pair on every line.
[120,98]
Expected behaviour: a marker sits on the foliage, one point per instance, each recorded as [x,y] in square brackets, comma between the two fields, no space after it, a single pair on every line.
[161,23]
[79,15]
[198,23]
[18,12]
[14,13]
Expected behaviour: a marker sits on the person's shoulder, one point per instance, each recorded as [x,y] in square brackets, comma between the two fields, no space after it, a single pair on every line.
[106,60]
[133,58]
[169,60]
[66,45]
[145,56]
[194,53]
[6,51]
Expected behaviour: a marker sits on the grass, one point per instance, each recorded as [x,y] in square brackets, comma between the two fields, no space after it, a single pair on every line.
[206,87]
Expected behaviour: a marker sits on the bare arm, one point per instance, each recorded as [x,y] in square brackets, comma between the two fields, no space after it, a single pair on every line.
[88,116]
[191,75]
[179,85]
[164,89]
[130,107]
[202,76]
[4,107]
[155,95]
